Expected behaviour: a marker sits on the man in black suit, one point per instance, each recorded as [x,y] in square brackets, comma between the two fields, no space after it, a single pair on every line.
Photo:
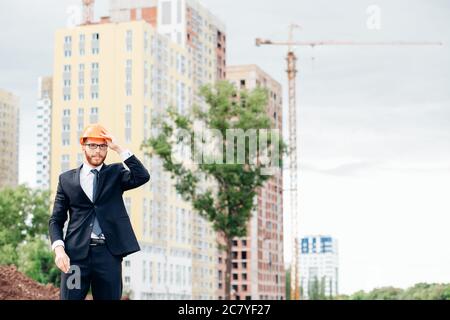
[99,233]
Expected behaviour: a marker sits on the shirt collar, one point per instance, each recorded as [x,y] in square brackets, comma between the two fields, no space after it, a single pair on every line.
[86,168]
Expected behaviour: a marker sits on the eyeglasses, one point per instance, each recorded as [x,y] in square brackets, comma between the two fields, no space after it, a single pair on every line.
[94,146]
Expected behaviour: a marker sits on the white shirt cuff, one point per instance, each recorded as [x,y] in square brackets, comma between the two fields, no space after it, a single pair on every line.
[125,154]
[57,243]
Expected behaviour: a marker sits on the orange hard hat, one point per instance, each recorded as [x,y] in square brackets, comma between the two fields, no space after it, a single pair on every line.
[93,131]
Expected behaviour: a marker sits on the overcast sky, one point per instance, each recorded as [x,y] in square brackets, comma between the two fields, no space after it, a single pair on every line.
[373,122]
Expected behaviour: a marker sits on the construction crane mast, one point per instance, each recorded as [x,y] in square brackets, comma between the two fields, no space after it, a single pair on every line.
[88,11]
[293,159]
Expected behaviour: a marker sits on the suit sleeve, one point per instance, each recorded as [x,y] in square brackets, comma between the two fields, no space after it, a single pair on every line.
[59,215]
[136,176]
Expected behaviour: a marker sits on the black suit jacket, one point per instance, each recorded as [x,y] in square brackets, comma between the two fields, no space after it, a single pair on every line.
[112,216]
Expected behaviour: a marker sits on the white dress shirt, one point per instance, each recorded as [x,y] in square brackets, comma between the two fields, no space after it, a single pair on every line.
[87,184]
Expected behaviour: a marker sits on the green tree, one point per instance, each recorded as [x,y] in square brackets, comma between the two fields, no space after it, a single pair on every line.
[288,284]
[359,295]
[425,291]
[222,193]
[446,293]
[386,293]
[420,291]
[8,253]
[316,289]
[24,212]
[36,261]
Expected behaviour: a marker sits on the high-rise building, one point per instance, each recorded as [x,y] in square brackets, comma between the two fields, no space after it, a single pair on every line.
[9,139]
[257,262]
[187,23]
[318,266]
[202,35]
[43,132]
[123,72]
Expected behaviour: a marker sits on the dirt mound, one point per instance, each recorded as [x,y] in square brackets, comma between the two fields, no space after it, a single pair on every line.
[14,285]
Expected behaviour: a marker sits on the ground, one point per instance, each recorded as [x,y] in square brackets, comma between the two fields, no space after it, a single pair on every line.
[14,285]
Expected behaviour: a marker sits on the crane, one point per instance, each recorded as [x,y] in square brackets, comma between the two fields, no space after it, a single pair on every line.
[293,162]
[88,11]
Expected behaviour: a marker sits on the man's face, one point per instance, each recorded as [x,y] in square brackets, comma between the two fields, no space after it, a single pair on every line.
[95,157]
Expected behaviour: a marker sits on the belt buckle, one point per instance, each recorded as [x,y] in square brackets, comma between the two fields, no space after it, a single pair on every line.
[96,242]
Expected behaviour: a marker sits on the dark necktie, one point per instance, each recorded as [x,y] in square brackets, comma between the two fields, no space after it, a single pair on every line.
[96,228]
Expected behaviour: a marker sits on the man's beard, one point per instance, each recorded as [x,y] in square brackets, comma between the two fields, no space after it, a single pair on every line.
[94,160]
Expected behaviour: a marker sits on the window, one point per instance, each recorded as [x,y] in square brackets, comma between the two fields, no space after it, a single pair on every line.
[82,39]
[93,117]
[166,13]
[95,43]
[128,73]
[128,123]
[68,46]
[79,159]
[129,40]
[65,158]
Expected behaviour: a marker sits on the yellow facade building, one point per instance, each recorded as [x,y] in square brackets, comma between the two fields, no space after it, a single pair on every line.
[9,139]
[123,75]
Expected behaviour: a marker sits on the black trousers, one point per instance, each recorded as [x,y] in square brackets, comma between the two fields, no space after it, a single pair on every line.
[100,271]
